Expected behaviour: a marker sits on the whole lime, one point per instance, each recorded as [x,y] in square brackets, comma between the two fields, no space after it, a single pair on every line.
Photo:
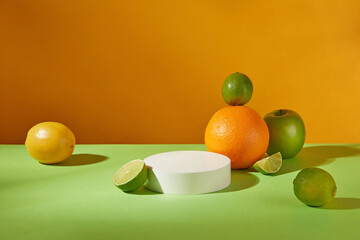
[237,89]
[314,187]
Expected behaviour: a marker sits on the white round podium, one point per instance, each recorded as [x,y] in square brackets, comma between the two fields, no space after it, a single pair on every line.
[187,172]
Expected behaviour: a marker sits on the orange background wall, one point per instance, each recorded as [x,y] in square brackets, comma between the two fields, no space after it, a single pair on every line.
[118,71]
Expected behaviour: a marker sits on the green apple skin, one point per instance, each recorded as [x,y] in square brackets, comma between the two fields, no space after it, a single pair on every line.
[237,89]
[287,132]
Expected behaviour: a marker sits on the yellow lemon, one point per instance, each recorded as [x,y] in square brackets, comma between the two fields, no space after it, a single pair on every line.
[50,142]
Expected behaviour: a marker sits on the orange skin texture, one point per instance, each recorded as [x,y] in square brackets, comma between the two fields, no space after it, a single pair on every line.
[239,133]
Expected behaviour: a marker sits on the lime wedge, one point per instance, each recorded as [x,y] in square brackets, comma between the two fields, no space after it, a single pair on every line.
[270,164]
[131,176]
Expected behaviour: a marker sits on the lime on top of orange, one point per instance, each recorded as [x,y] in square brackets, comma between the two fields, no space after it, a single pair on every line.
[237,89]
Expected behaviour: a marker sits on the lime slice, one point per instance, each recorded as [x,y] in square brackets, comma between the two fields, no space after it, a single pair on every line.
[270,164]
[131,176]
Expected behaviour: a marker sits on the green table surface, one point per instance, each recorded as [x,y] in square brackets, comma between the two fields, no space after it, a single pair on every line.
[77,200]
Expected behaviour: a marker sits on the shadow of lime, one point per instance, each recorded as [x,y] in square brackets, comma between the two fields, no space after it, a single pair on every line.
[82,159]
[143,191]
[342,204]
[317,156]
[240,180]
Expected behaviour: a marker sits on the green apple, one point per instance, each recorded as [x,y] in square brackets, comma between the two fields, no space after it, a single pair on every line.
[237,89]
[287,132]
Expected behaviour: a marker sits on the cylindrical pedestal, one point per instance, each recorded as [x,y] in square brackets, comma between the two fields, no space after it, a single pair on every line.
[187,172]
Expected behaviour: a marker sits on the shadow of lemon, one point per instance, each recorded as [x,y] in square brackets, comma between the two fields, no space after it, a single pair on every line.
[82,159]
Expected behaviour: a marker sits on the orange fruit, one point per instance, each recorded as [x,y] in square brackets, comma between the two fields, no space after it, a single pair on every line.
[239,133]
